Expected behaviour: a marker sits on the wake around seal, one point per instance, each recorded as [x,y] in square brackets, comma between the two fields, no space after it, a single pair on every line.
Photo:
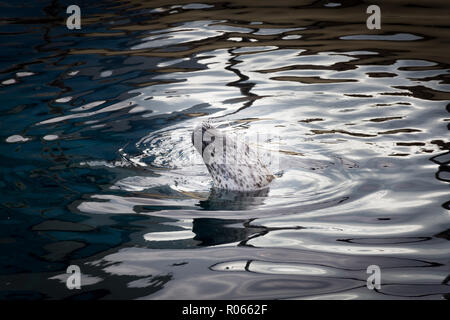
[232,163]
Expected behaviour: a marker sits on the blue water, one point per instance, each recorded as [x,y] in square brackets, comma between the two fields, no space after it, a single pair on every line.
[98,170]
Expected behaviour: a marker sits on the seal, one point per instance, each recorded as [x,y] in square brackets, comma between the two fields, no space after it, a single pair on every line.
[232,163]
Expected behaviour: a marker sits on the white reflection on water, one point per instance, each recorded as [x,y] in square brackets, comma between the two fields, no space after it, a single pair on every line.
[381,37]
[120,205]
[251,272]
[272,31]
[266,267]
[169,236]
[188,32]
[328,243]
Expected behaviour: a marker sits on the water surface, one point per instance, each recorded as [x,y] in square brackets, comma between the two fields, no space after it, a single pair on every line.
[98,169]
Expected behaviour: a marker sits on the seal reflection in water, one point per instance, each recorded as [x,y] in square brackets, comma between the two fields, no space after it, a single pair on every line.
[239,176]
[221,199]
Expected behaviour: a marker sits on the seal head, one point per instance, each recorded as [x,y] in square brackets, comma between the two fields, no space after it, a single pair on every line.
[232,163]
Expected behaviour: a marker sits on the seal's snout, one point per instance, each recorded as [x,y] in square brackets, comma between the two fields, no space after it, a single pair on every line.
[198,136]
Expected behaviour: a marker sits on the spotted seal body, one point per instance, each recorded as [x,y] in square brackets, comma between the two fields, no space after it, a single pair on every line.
[232,163]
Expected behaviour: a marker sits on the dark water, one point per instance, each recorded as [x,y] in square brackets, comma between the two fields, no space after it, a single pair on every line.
[97,167]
